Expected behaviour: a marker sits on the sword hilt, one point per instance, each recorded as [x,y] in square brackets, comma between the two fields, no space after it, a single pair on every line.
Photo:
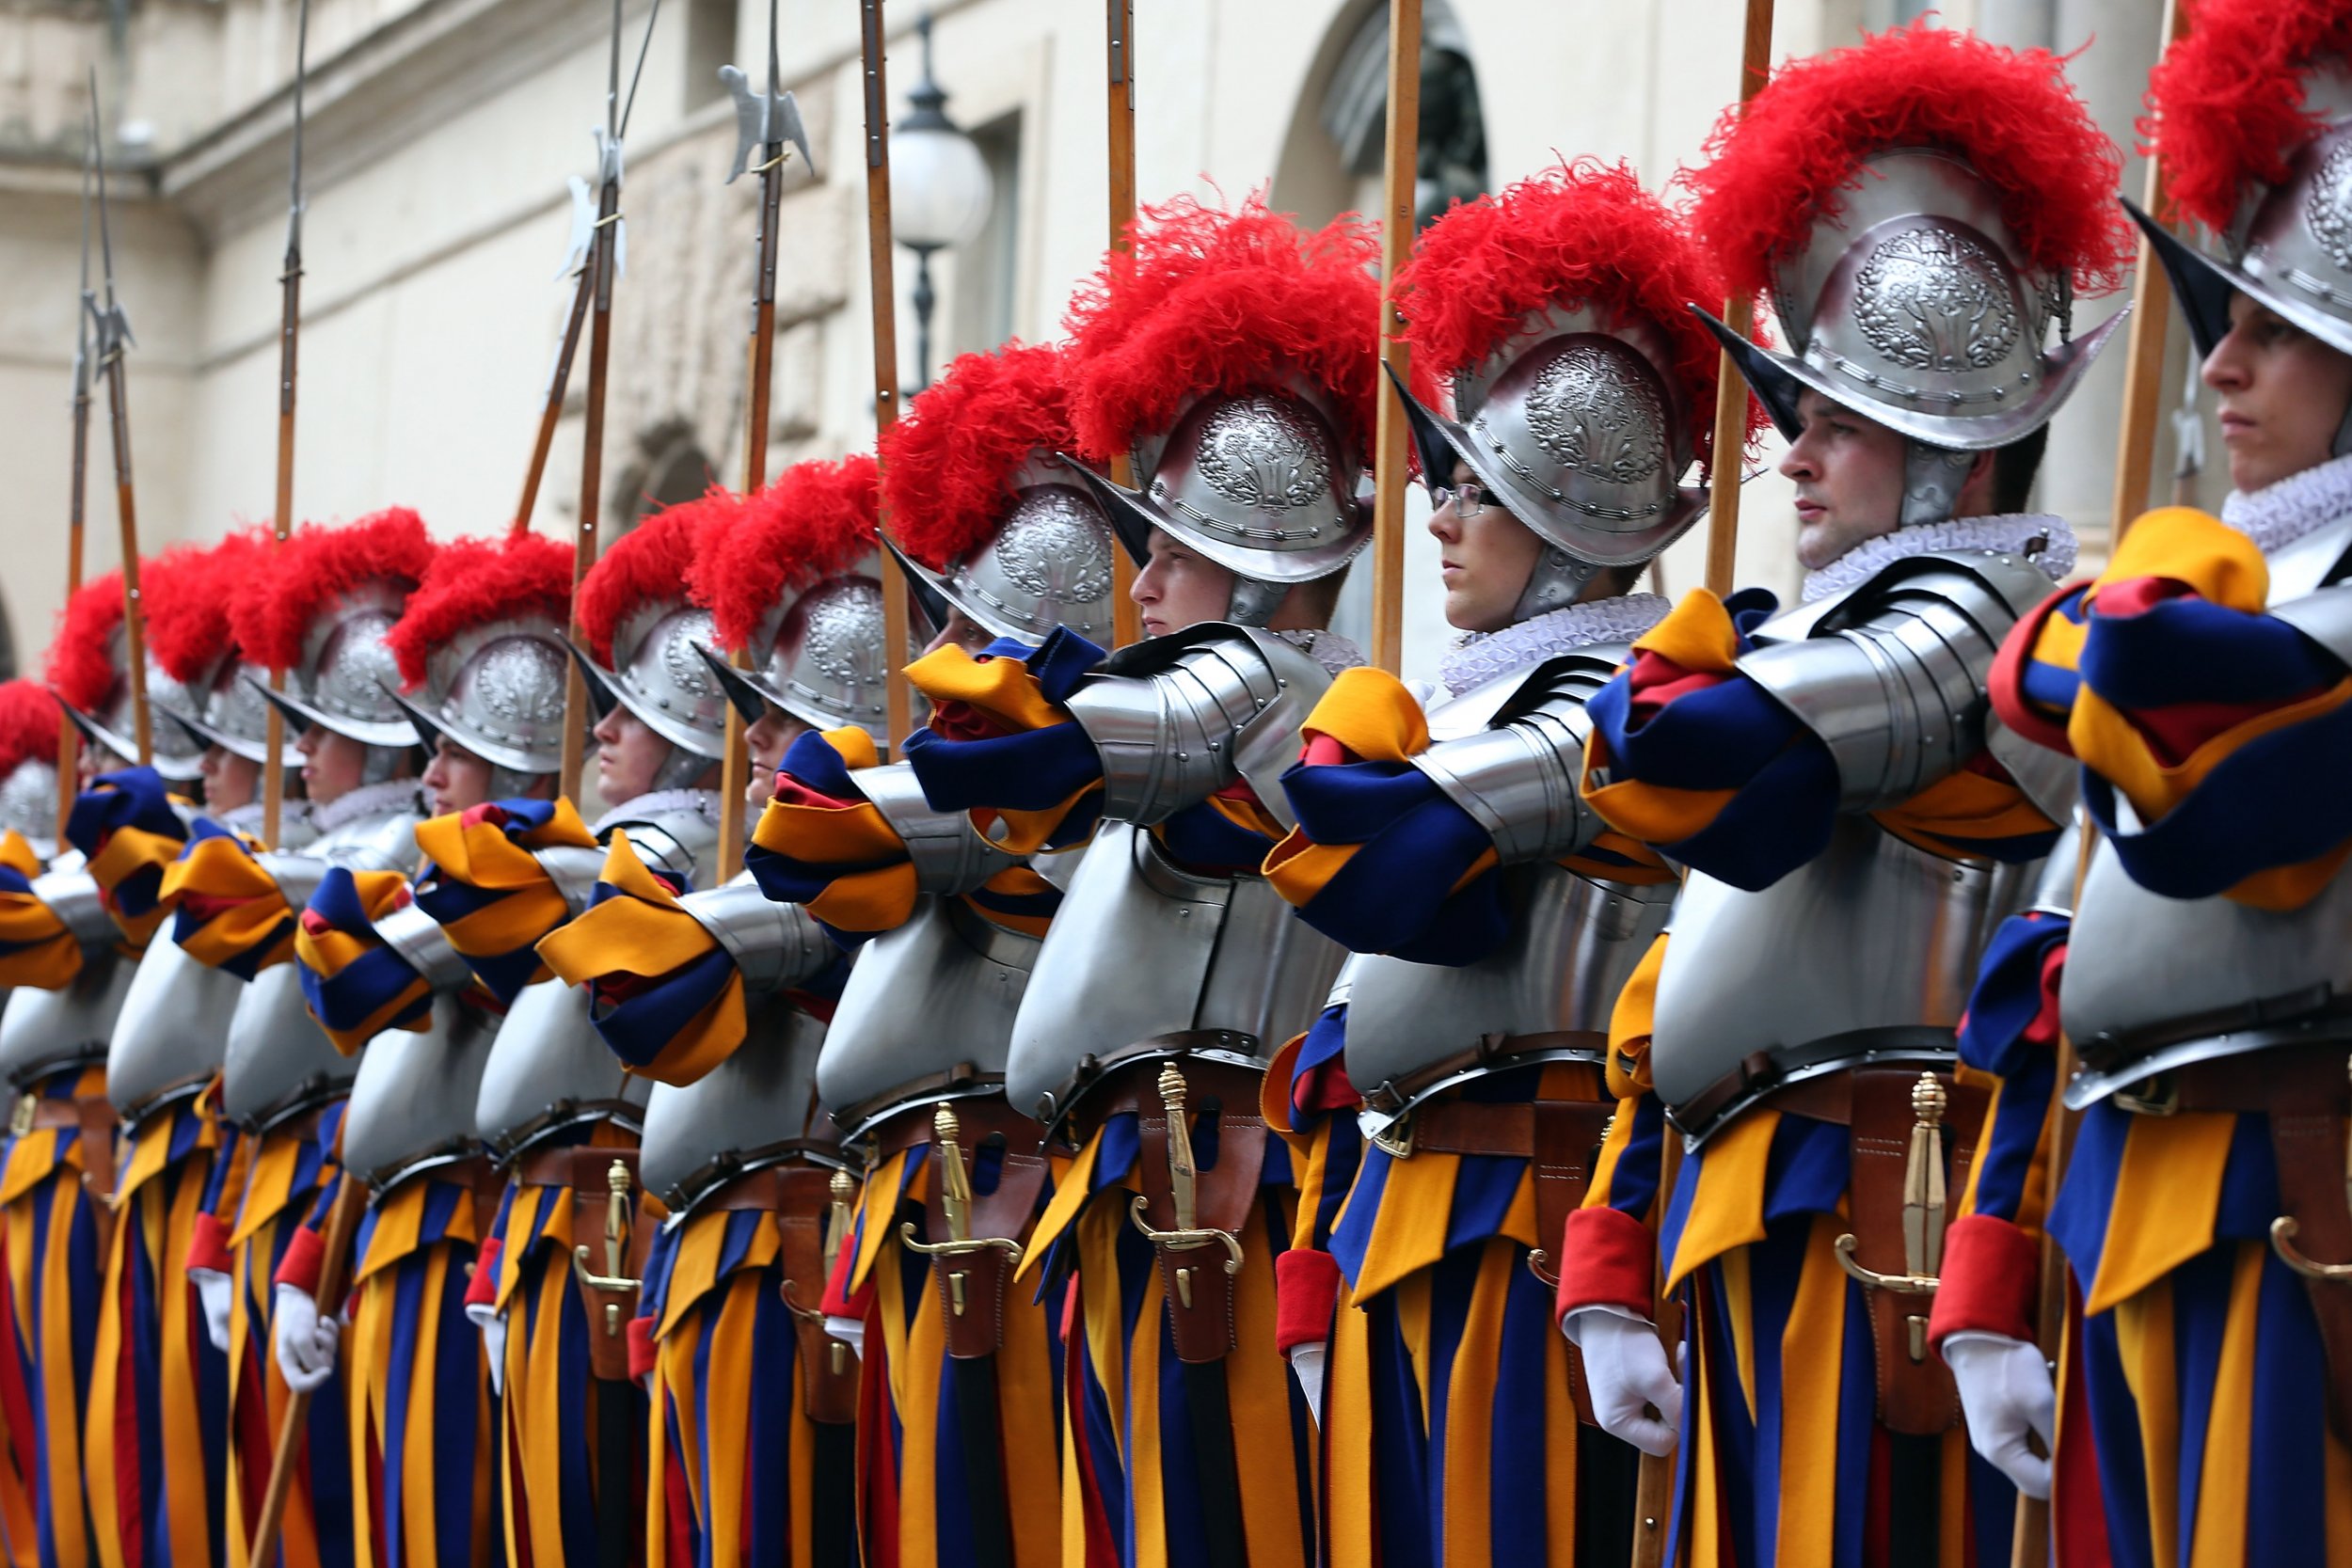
[615,1277]
[1184,1173]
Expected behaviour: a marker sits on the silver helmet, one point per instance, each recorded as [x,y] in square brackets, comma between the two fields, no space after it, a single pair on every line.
[1047,564]
[824,661]
[659,673]
[346,675]
[28,803]
[176,754]
[497,689]
[234,715]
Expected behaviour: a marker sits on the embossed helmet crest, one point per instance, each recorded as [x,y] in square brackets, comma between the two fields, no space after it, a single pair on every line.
[480,647]
[642,632]
[2251,116]
[321,611]
[28,763]
[1950,201]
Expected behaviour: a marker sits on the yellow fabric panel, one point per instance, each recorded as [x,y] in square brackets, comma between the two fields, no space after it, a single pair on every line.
[1811,1375]
[1470,1411]
[2222,1481]
[1630,1023]
[2144,1345]
[2166,1192]
[1727,1209]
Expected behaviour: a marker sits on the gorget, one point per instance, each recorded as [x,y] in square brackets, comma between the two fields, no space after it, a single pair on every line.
[2015,532]
[1479,656]
[661,803]
[388,799]
[2278,514]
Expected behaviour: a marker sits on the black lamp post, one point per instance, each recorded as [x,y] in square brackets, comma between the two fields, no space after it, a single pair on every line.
[940,192]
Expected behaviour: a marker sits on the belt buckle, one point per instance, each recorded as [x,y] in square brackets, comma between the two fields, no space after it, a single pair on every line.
[2163,1100]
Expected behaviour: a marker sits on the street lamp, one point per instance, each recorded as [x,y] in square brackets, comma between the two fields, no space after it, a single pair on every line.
[940,192]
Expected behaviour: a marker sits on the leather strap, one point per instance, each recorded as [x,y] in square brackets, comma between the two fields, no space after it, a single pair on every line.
[2309,1079]
[95,1116]
[1758,1074]
[801,1198]
[584,1171]
[1567,1140]
[1200,1292]
[2307,1136]
[2310,1006]
[1492,1051]
[1916,1392]
[930,1086]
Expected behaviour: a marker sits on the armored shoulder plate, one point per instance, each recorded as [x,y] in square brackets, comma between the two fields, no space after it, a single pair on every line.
[44,1031]
[949,853]
[549,1069]
[279,1061]
[1871,945]
[73,897]
[756,1107]
[174,1031]
[773,945]
[1891,675]
[1573,943]
[1146,958]
[412,1103]
[416,937]
[682,840]
[2324,617]
[1513,765]
[379,843]
[1179,718]
[928,1006]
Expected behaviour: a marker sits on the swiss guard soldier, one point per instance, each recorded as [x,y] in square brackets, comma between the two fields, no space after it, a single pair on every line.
[482,665]
[28,836]
[320,609]
[559,1114]
[2200,680]
[71,941]
[1923,210]
[1566,389]
[721,996]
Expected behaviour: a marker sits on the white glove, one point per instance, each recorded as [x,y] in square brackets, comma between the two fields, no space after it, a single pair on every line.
[2005,1389]
[850,1332]
[493,1325]
[306,1342]
[215,1293]
[1626,1373]
[1306,1360]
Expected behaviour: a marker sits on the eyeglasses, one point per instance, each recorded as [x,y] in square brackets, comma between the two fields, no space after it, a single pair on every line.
[1468,499]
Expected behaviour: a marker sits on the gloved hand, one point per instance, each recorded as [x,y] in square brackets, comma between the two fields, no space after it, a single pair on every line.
[1306,1360]
[306,1341]
[850,1332]
[1626,1373]
[214,1294]
[2005,1389]
[493,1325]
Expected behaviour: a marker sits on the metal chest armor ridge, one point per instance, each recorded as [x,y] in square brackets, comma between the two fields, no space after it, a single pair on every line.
[2258,977]
[1865,953]
[1507,752]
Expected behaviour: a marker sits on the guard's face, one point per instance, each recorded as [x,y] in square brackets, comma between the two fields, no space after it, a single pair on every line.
[630,754]
[230,781]
[2284,395]
[1486,555]
[1179,588]
[332,765]
[766,741]
[961,631]
[91,759]
[1849,474]
[456,779]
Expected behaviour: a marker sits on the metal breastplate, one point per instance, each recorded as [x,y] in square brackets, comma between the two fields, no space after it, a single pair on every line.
[412,1103]
[926,1006]
[44,1031]
[2152,983]
[173,1031]
[1572,944]
[548,1068]
[1871,945]
[754,1108]
[1145,958]
[278,1060]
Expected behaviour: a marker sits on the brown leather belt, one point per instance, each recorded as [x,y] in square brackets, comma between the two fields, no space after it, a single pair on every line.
[800,1195]
[1200,1292]
[1492,1051]
[1757,1073]
[93,1117]
[585,1170]
[973,1286]
[2311,1005]
[931,1085]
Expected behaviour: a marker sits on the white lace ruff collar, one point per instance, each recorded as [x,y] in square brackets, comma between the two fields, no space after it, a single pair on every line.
[388,799]
[661,803]
[1327,648]
[2278,514]
[2013,531]
[1479,656]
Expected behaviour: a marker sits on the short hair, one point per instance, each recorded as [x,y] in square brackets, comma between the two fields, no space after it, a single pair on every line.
[1317,599]
[2015,468]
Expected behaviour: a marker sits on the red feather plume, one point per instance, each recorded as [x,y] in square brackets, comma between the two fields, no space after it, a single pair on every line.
[1581,232]
[2225,104]
[815,520]
[516,577]
[947,467]
[189,593]
[648,563]
[2011,114]
[28,724]
[276,607]
[79,666]
[1210,302]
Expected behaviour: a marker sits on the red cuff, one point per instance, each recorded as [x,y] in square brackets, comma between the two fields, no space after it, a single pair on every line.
[1306,1293]
[642,1350]
[1992,1268]
[300,1268]
[208,1245]
[483,1288]
[1606,1259]
[840,1302]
